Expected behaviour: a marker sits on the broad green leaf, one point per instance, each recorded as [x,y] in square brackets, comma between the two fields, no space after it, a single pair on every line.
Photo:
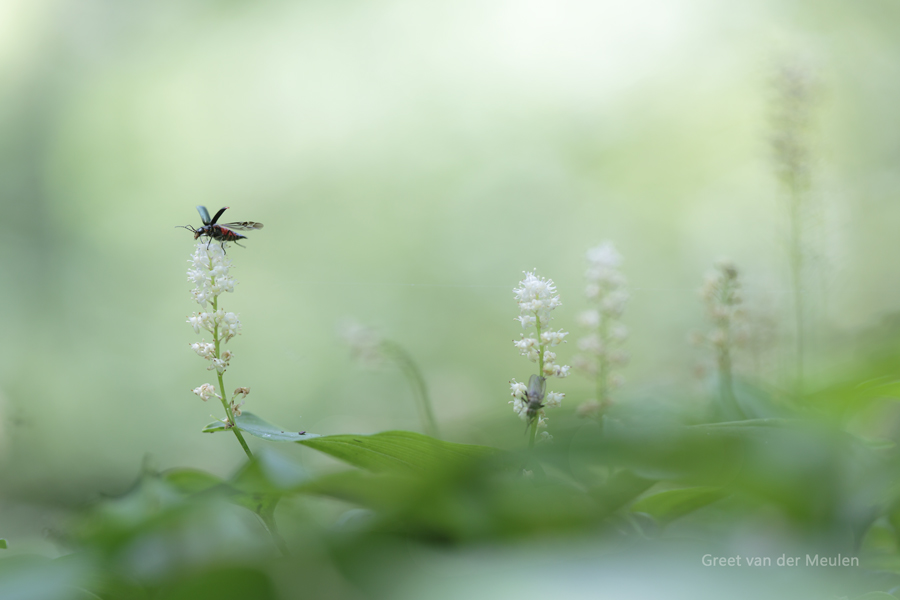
[191,481]
[378,491]
[623,487]
[397,451]
[231,582]
[269,472]
[3,545]
[667,506]
[253,425]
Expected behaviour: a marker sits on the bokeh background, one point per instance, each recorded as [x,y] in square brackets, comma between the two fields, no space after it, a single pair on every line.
[409,160]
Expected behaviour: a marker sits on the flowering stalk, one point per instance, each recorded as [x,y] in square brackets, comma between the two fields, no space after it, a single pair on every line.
[720,293]
[791,124]
[605,289]
[536,297]
[209,272]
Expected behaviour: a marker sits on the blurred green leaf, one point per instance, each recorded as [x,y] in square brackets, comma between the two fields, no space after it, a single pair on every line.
[191,481]
[269,472]
[667,506]
[255,426]
[876,596]
[377,491]
[397,451]
[619,490]
[3,545]
[30,577]
[226,583]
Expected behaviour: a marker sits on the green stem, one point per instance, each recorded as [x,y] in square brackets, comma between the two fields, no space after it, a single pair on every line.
[603,362]
[797,283]
[270,525]
[417,382]
[537,418]
[533,431]
[222,396]
[730,408]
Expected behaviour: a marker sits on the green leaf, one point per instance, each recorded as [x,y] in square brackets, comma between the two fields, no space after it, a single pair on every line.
[269,472]
[191,481]
[253,425]
[623,487]
[667,506]
[378,491]
[397,451]
[876,596]
[3,545]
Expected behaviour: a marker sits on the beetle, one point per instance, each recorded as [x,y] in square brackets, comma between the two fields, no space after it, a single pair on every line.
[220,232]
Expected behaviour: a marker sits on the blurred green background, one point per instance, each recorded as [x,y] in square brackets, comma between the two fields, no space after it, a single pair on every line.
[409,160]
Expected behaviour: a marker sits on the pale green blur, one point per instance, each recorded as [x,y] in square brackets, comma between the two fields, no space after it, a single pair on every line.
[409,160]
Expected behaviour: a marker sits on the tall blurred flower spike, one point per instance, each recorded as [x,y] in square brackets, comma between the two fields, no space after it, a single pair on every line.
[536,298]
[723,302]
[210,272]
[372,350]
[600,347]
[795,90]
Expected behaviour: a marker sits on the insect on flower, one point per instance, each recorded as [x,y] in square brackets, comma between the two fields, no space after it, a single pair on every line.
[221,232]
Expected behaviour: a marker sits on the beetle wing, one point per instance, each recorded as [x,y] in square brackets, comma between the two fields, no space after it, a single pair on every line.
[243,225]
[218,214]
[204,214]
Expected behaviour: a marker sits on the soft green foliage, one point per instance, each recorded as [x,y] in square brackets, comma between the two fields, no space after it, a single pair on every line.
[410,160]
[250,423]
[398,452]
[165,538]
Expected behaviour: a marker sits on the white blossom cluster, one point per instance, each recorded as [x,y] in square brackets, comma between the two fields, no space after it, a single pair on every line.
[206,391]
[600,348]
[364,342]
[536,297]
[227,323]
[721,295]
[209,271]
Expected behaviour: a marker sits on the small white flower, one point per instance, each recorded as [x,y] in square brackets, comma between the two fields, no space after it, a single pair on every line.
[526,344]
[518,389]
[591,343]
[614,303]
[589,319]
[553,399]
[205,391]
[545,437]
[204,350]
[520,407]
[604,256]
[553,338]
[536,298]
[526,320]
[209,272]
[619,333]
